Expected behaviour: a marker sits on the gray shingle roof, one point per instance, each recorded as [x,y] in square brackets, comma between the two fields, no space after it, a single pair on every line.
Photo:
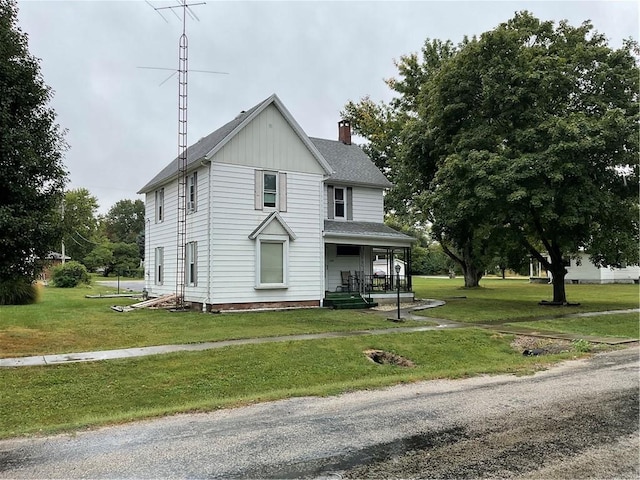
[364,229]
[198,150]
[350,164]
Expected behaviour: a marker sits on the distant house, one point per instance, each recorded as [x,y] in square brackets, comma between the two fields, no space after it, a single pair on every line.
[52,259]
[582,270]
[274,218]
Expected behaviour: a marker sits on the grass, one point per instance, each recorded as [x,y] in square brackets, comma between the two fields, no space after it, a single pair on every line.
[623,325]
[65,397]
[498,301]
[71,396]
[65,321]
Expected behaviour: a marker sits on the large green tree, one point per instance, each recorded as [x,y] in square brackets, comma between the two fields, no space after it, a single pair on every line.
[124,221]
[32,175]
[536,128]
[404,147]
[80,223]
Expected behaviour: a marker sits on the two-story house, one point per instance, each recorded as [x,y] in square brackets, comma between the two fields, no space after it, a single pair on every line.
[273,219]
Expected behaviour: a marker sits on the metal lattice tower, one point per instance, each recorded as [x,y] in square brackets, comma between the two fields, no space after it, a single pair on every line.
[183,73]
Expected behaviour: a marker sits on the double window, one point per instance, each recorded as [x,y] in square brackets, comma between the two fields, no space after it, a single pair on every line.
[159,205]
[270,190]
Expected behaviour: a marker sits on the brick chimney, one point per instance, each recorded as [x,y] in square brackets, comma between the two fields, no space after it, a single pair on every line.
[344,132]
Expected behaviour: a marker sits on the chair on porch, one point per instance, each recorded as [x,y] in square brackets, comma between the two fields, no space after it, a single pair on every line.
[345,280]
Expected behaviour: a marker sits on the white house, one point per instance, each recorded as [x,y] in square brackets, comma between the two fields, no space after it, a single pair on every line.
[582,270]
[274,218]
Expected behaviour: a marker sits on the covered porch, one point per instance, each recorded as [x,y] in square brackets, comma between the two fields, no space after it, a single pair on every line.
[367,259]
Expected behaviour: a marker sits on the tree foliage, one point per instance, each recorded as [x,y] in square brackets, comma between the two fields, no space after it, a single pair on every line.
[32,174]
[80,223]
[125,221]
[521,141]
[534,124]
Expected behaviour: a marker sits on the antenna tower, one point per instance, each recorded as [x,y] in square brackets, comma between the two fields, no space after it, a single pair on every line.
[183,73]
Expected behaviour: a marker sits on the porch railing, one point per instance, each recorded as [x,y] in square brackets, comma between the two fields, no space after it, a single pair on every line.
[368,284]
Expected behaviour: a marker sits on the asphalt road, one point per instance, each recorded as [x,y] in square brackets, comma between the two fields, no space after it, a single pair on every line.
[133,285]
[576,420]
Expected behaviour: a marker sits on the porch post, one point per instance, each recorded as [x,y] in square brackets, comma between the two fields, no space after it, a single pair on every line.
[408,268]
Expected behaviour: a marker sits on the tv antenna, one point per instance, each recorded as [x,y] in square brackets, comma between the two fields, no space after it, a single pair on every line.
[182,72]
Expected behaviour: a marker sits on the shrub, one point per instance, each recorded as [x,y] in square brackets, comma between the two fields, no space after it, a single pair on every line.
[18,291]
[69,275]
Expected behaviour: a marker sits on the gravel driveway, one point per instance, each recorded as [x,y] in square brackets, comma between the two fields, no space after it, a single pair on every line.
[577,420]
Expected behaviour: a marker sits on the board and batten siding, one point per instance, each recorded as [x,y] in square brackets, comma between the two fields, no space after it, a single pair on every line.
[268,142]
[367,203]
[233,254]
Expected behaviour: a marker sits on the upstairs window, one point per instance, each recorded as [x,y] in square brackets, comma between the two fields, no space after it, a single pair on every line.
[192,192]
[159,205]
[270,190]
[339,202]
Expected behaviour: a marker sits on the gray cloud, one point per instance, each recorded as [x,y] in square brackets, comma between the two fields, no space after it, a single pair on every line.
[315,55]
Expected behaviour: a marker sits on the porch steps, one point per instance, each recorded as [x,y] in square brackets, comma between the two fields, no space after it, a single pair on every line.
[341,301]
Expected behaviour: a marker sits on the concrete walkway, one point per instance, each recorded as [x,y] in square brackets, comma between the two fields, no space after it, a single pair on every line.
[39,360]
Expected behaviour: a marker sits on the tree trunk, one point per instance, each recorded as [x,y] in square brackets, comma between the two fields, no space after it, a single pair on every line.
[472,275]
[559,292]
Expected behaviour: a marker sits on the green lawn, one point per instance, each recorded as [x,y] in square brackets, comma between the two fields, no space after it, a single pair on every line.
[497,300]
[625,325]
[65,321]
[61,397]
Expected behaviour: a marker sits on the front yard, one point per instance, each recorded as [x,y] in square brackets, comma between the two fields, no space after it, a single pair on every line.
[72,396]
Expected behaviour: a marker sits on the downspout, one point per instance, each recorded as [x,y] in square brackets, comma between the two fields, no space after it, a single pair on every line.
[207,299]
[323,247]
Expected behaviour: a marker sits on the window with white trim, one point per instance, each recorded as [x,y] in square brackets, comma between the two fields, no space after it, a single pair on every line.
[270,190]
[272,261]
[159,270]
[191,271]
[192,192]
[159,205]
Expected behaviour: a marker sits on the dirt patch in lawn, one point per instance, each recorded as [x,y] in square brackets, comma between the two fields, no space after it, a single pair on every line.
[387,358]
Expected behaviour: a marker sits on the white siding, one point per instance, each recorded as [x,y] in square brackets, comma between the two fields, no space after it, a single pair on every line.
[268,142]
[164,234]
[367,204]
[233,253]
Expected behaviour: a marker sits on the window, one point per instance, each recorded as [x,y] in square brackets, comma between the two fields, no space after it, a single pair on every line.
[272,262]
[270,190]
[159,265]
[159,205]
[192,192]
[192,264]
[347,250]
[339,202]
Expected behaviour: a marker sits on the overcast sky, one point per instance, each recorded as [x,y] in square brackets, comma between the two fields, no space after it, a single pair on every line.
[316,56]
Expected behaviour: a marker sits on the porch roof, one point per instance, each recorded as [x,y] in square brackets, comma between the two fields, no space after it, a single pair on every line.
[365,233]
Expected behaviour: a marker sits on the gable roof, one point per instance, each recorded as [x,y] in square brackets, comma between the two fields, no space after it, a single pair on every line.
[205,148]
[350,164]
[272,217]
